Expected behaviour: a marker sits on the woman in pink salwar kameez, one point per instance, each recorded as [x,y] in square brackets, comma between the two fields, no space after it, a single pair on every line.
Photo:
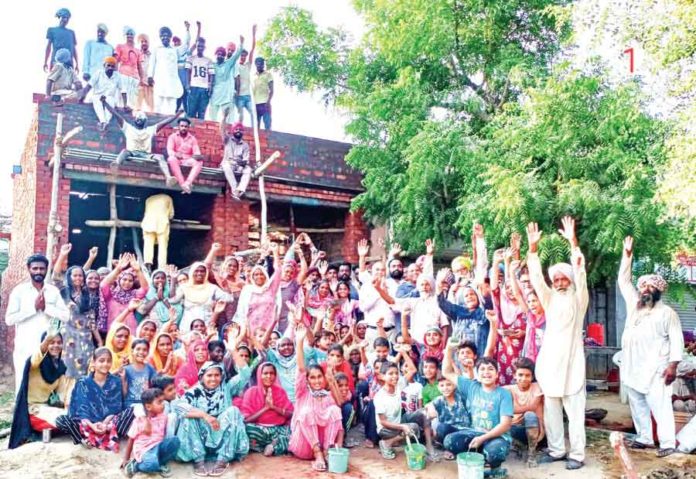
[257,301]
[316,425]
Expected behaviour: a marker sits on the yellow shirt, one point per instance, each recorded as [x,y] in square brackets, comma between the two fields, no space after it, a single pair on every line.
[40,390]
[262,87]
[159,209]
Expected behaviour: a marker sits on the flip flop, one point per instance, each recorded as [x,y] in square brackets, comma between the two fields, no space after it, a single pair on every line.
[319,466]
[386,451]
[448,456]
[664,452]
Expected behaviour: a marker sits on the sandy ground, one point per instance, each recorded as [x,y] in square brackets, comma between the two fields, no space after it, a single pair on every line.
[60,459]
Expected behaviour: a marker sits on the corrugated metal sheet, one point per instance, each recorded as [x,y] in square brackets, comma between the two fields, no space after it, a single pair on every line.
[686,312]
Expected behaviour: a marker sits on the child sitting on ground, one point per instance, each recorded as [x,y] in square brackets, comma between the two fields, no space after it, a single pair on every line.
[147,441]
[392,425]
[450,410]
[137,375]
[528,401]
[490,408]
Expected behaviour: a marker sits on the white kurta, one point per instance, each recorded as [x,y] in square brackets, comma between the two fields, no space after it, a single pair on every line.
[31,324]
[164,71]
[560,366]
[651,337]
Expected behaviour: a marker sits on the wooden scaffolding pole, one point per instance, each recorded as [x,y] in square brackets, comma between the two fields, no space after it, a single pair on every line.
[113,216]
[54,227]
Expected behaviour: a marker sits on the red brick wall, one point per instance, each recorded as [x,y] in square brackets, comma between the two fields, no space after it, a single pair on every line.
[356,229]
[230,224]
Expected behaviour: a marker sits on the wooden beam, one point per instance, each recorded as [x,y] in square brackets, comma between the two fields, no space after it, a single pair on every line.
[310,230]
[136,224]
[53,226]
[136,246]
[133,181]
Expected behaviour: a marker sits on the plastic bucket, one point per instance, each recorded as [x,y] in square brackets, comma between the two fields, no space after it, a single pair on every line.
[338,460]
[470,465]
[415,455]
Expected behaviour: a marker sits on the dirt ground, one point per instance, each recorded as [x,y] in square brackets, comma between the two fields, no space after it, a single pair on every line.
[60,459]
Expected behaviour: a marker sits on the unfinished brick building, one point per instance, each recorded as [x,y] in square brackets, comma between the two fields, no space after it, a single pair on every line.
[309,188]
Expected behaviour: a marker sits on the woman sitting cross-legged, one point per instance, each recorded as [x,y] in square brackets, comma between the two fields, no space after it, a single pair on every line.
[267,411]
[41,393]
[316,425]
[212,426]
[97,416]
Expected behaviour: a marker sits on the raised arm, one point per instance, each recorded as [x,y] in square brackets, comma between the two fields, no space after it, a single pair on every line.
[121,119]
[253,45]
[448,363]
[511,268]
[300,334]
[577,261]
[628,291]
[363,249]
[122,264]
[536,276]
[481,255]
[429,253]
[168,120]
[93,252]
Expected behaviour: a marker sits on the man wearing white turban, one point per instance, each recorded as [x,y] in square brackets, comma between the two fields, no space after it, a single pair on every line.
[652,345]
[560,367]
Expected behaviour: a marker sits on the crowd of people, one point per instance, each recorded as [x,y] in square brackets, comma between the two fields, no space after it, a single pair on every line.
[176,75]
[286,353]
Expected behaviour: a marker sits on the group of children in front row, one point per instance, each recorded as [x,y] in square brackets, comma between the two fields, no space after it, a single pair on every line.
[303,400]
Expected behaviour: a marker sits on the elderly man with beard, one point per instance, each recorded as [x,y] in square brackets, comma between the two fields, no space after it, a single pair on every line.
[374,297]
[32,305]
[560,367]
[652,345]
[139,136]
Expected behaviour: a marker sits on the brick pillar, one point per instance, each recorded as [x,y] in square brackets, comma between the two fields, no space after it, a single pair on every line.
[230,224]
[356,229]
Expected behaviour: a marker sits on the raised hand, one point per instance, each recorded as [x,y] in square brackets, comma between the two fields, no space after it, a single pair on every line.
[533,236]
[133,304]
[187,24]
[134,263]
[300,332]
[498,256]
[491,316]
[323,266]
[65,249]
[220,306]
[216,247]
[568,230]
[429,247]
[478,230]
[515,241]
[628,246]
[172,271]
[363,248]
[123,261]
[395,250]
[93,252]
[508,254]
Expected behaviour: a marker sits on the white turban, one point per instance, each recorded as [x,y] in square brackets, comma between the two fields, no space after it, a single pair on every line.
[564,269]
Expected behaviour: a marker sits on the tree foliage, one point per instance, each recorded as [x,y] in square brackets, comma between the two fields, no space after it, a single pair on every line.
[458,116]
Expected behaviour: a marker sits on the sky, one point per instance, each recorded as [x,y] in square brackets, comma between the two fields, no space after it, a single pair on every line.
[221,22]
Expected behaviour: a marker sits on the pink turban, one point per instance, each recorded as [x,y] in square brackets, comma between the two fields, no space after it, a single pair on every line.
[654,280]
[564,269]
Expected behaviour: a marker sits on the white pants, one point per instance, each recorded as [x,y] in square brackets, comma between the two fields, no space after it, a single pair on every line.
[103,115]
[228,169]
[658,400]
[574,406]
[165,105]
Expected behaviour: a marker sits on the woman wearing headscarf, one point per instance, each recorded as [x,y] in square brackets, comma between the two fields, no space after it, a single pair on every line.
[511,319]
[162,356]
[187,374]
[469,322]
[129,58]
[118,288]
[118,342]
[97,416]
[348,308]
[227,278]
[79,332]
[321,305]
[198,296]
[157,305]
[257,303]
[42,392]
[283,357]
[267,411]
[213,426]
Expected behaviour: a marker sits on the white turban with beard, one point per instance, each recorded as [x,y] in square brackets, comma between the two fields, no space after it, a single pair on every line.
[563,269]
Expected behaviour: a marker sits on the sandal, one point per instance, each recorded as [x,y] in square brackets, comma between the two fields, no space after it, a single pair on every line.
[638,446]
[433,456]
[664,452]
[448,456]
[219,468]
[386,451]
[319,464]
[199,469]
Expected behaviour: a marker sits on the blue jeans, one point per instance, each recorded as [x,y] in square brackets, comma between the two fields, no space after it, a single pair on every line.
[183,99]
[197,102]
[495,451]
[519,432]
[243,102]
[159,456]
[263,114]
[346,415]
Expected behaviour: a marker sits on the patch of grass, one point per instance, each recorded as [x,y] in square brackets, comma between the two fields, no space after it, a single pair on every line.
[4,424]
[6,398]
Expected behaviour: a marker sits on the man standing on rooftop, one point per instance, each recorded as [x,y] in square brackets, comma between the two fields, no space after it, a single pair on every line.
[61,37]
[95,52]
[163,75]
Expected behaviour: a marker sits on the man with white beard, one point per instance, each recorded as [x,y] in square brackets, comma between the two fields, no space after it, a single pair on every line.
[560,367]
[652,345]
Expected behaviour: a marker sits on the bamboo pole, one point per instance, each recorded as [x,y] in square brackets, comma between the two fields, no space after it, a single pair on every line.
[257,156]
[53,227]
[113,216]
